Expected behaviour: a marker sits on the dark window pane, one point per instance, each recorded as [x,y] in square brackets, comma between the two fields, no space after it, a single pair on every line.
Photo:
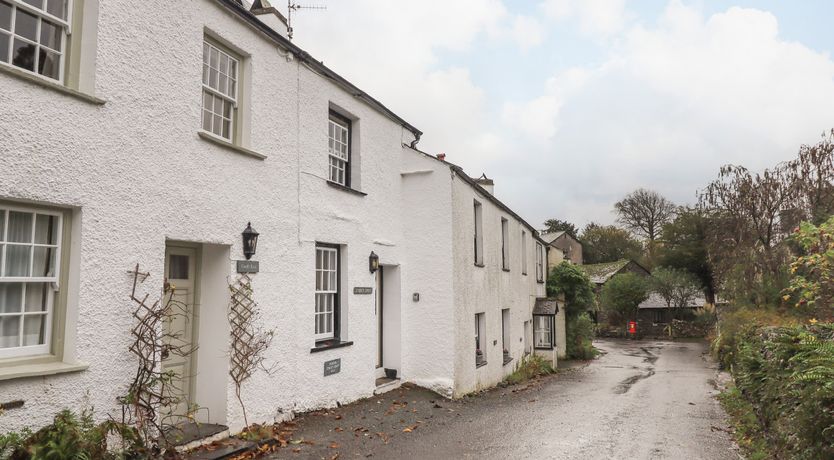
[5,16]
[178,268]
[26,25]
[57,8]
[48,65]
[51,35]
[35,3]
[4,47]
[23,55]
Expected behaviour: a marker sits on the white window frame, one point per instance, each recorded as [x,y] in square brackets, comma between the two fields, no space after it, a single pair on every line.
[505,244]
[338,148]
[543,332]
[217,94]
[42,14]
[523,252]
[478,211]
[327,290]
[51,281]
[539,262]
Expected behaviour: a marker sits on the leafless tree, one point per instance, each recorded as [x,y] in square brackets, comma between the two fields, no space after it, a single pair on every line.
[644,212]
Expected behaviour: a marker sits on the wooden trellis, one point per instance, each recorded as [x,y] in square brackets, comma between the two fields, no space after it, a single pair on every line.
[248,340]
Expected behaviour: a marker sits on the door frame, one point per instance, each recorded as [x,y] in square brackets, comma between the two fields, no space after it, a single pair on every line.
[380,317]
[195,308]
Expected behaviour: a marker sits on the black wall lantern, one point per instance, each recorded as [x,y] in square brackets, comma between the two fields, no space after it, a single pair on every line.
[250,241]
[373,262]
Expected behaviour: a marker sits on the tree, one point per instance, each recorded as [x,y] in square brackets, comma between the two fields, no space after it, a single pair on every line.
[622,294]
[568,279]
[811,288]
[644,212]
[677,287]
[746,231]
[608,243]
[684,247]
[556,225]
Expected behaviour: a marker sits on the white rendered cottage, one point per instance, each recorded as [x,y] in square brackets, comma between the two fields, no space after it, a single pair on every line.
[153,137]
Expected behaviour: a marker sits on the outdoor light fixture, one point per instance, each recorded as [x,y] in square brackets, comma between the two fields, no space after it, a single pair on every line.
[373,262]
[250,241]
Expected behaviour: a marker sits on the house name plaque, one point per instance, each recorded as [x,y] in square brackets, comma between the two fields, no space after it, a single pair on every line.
[332,367]
[363,290]
[248,266]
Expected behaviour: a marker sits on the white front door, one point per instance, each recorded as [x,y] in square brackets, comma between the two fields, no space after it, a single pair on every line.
[180,274]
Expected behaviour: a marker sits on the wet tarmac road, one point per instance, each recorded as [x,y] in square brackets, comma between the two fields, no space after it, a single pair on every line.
[640,400]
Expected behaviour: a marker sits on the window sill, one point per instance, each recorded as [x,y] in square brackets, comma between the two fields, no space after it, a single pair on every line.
[507,361]
[506,270]
[235,148]
[48,84]
[524,274]
[480,265]
[540,282]
[481,364]
[39,369]
[345,188]
[544,348]
[329,345]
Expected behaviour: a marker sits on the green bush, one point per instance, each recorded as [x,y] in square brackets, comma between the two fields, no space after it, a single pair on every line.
[787,374]
[579,337]
[531,366]
[736,324]
[74,437]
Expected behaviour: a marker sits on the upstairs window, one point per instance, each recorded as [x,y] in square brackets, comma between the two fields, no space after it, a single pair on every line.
[505,244]
[539,263]
[220,91]
[523,252]
[338,147]
[33,35]
[30,246]
[478,234]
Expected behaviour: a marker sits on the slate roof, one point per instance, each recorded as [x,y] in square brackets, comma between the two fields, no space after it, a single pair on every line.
[551,237]
[601,273]
[548,306]
[656,301]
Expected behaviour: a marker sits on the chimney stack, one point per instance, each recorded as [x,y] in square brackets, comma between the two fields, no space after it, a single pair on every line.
[270,16]
[486,183]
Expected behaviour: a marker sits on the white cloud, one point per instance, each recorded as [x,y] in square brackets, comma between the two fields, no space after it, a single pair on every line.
[599,18]
[672,103]
[527,32]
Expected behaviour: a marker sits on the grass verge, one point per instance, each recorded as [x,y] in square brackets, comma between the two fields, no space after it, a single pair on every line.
[747,430]
[530,367]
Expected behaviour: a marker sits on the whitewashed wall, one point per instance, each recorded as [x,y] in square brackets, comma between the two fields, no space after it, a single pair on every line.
[137,174]
[488,289]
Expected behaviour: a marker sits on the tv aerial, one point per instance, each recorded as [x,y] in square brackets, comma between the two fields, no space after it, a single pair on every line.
[292,8]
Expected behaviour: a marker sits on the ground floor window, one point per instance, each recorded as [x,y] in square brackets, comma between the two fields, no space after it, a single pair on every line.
[543,331]
[480,340]
[30,246]
[327,292]
[505,334]
[658,316]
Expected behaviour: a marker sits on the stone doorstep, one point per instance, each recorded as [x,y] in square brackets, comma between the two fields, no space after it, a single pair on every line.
[385,387]
[196,435]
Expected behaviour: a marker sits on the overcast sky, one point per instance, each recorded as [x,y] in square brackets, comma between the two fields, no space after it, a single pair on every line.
[571,104]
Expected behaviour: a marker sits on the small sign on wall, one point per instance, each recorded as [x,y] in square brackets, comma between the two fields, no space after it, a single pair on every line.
[363,290]
[248,266]
[332,367]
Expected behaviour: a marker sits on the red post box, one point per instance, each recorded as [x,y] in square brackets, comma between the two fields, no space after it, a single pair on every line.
[632,327]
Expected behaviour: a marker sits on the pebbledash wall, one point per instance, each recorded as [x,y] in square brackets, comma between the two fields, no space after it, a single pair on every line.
[124,159]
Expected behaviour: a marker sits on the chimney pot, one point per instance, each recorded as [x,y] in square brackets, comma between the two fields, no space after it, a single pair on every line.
[441,156]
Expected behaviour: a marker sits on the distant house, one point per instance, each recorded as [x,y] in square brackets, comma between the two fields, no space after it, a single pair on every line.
[562,246]
[601,273]
[655,310]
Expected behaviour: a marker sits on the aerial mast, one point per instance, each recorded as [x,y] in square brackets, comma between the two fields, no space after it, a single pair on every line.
[292,8]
